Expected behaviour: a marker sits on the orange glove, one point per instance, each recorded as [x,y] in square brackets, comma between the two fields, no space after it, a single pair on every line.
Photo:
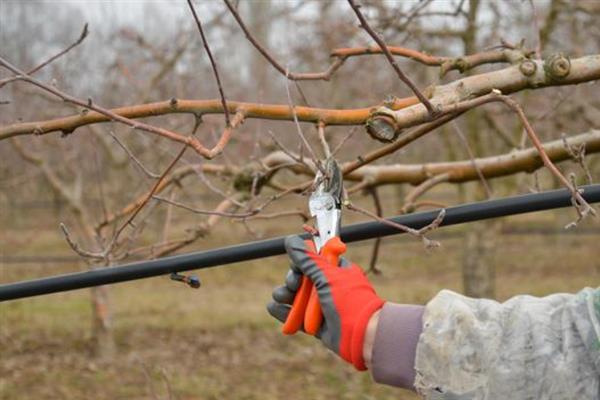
[347,299]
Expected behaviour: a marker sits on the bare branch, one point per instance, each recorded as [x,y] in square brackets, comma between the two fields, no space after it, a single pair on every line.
[577,153]
[204,212]
[300,213]
[419,233]
[446,64]
[324,144]
[299,128]
[465,143]
[377,245]
[133,157]
[32,71]
[380,42]
[89,105]
[326,75]
[583,208]
[76,248]
[410,199]
[343,141]
[212,63]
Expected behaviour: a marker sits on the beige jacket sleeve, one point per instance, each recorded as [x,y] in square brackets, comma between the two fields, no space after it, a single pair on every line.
[525,348]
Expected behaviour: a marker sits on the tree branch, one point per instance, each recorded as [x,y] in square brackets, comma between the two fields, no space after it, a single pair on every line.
[380,42]
[212,63]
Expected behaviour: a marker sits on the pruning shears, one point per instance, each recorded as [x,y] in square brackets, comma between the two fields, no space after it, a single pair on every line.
[325,205]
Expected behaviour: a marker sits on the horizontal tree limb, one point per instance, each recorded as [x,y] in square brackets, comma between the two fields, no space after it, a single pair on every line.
[556,70]
[462,64]
[200,107]
[526,160]
[404,112]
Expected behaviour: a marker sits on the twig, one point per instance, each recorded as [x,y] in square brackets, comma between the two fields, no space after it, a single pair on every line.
[145,201]
[419,233]
[76,248]
[429,203]
[536,28]
[302,214]
[343,141]
[293,156]
[104,254]
[577,153]
[446,64]
[198,232]
[377,245]
[256,210]
[299,128]
[133,157]
[205,212]
[410,199]
[89,105]
[324,144]
[212,63]
[365,25]
[504,136]
[168,385]
[32,71]
[218,148]
[149,380]
[582,207]
[168,218]
[200,173]
[465,143]
[282,70]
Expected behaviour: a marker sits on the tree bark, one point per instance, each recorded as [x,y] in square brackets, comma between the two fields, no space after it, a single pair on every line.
[479,270]
[102,334]
[479,260]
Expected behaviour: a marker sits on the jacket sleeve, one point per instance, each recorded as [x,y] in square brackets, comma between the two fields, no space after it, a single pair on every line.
[525,348]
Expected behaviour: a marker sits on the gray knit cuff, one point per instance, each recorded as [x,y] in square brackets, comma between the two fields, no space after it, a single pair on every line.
[395,345]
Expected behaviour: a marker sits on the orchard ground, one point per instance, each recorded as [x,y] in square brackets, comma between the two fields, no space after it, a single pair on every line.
[218,342]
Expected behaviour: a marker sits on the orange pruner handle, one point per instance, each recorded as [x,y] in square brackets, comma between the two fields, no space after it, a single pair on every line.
[306,310]
[313,316]
[295,318]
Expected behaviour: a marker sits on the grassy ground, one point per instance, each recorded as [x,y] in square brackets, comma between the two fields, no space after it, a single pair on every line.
[218,342]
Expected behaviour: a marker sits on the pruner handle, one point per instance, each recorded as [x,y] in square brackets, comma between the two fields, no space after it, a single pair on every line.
[295,318]
[331,251]
[306,309]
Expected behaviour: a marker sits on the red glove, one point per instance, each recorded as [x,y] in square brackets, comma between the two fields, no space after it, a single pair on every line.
[347,299]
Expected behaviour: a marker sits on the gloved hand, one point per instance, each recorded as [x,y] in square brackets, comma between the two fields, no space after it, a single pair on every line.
[347,299]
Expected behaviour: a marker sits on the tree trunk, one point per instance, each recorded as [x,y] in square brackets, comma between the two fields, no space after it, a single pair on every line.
[102,335]
[479,272]
[479,259]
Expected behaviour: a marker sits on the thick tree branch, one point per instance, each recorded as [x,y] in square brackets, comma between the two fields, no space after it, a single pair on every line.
[408,112]
[531,74]
[526,160]
[355,116]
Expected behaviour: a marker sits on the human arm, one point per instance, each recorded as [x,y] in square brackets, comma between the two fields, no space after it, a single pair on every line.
[524,348]
[457,347]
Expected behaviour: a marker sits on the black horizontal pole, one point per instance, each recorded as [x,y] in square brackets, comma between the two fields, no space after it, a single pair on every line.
[271,247]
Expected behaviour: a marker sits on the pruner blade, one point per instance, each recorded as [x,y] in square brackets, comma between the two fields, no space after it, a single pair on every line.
[325,203]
